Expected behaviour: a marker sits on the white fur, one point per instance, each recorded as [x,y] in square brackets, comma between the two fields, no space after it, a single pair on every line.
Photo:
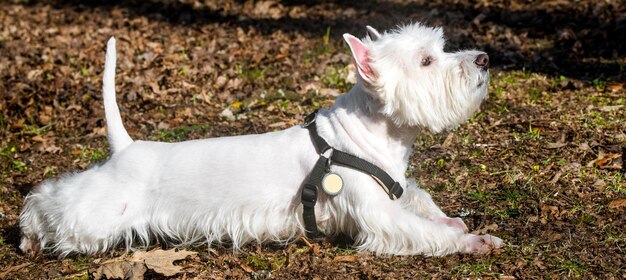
[247,188]
[118,137]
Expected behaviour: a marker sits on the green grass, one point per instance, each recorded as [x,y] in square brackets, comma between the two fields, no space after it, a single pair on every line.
[480,195]
[533,133]
[81,263]
[278,262]
[616,182]
[92,155]
[250,73]
[2,123]
[19,166]
[573,266]
[7,151]
[599,84]
[179,133]
[335,78]
[35,130]
[601,120]
[323,46]
[258,263]
[345,251]
[511,212]
[478,269]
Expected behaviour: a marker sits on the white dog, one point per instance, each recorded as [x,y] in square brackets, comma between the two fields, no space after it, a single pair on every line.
[247,188]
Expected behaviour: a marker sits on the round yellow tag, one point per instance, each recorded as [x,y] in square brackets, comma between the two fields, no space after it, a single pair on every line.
[332,184]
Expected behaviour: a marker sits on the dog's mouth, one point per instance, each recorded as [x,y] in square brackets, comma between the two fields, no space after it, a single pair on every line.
[470,72]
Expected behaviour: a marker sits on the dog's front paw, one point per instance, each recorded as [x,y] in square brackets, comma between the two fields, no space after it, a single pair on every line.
[482,244]
[456,223]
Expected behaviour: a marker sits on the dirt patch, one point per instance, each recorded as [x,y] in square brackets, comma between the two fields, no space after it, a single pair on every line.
[542,164]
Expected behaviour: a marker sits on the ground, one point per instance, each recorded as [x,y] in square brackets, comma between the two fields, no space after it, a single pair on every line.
[541,165]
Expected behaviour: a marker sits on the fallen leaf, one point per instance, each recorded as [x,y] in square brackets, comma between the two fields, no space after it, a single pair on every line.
[617,203]
[227,114]
[486,229]
[614,87]
[161,261]
[329,92]
[556,177]
[134,267]
[155,88]
[348,258]
[450,139]
[243,266]
[548,211]
[610,161]
[122,268]
[611,108]
[555,237]
[599,183]
[45,144]
[277,124]
[555,145]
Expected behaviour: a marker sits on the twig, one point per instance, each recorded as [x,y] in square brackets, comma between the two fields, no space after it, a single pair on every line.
[14,268]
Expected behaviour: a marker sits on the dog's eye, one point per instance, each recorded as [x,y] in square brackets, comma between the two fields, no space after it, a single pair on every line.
[426,61]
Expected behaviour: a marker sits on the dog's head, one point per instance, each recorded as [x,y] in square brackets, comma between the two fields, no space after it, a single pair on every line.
[415,81]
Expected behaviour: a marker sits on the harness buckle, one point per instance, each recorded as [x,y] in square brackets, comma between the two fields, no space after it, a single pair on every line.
[328,158]
[309,195]
[310,119]
[396,191]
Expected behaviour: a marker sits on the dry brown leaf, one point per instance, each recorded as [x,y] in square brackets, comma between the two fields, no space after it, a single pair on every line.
[134,267]
[555,145]
[348,258]
[486,229]
[611,108]
[614,87]
[161,261]
[548,211]
[122,268]
[610,161]
[556,177]
[450,139]
[617,203]
[45,144]
[244,266]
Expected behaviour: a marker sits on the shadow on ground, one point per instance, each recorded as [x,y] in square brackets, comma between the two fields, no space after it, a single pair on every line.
[579,41]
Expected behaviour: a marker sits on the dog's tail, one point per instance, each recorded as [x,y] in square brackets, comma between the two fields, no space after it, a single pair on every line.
[117,134]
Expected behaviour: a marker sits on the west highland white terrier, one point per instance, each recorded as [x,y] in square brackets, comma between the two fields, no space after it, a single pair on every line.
[248,188]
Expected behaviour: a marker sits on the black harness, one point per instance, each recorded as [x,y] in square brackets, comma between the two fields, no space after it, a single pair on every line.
[322,167]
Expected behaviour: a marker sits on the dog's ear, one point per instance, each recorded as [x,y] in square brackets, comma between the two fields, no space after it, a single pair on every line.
[372,33]
[361,58]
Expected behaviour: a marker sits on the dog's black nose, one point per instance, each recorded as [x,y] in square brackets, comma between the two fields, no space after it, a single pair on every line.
[482,60]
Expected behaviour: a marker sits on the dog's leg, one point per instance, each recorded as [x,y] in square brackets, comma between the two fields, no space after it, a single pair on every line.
[418,201]
[387,228]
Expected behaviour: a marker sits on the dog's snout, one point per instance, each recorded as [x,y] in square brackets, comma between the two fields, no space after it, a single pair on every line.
[482,60]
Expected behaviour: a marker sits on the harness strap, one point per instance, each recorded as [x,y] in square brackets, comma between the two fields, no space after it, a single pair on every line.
[391,187]
[309,192]
[309,197]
